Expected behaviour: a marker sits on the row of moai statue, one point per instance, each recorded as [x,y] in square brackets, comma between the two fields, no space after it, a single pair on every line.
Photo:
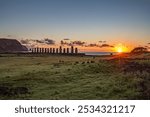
[59,50]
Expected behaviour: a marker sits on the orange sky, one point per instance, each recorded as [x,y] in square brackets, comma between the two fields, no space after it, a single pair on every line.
[94,49]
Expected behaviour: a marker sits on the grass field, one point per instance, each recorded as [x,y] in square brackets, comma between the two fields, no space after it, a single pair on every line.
[73,77]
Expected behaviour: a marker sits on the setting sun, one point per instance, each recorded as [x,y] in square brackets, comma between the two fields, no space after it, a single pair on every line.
[120,48]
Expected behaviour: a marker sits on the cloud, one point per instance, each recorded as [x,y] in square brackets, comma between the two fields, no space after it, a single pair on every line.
[147,47]
[63,42]
[39,41]
[66,39]
[25,41]
[49,41]
[92,45]
[73,43]
[28,42]
[106,45]
[102,41]
[33,43]
[79,43]
[85,44]
[100,46]
[45,41]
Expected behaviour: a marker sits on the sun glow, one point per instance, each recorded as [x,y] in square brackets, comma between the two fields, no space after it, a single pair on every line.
[120,48]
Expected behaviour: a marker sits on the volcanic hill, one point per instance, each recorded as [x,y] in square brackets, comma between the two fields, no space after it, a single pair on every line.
[11,46]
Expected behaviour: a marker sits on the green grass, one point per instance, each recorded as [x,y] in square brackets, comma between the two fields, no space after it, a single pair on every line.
[70,77]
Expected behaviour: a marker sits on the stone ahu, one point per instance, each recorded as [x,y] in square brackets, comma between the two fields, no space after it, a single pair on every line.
[59,50]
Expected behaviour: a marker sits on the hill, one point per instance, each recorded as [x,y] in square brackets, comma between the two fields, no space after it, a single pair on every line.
[11,45]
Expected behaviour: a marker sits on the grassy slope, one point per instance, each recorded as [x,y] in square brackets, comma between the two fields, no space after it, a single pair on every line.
[64,77]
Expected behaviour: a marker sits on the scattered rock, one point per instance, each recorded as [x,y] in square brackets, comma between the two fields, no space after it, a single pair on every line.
[13,91]
[92,61]
[135,67]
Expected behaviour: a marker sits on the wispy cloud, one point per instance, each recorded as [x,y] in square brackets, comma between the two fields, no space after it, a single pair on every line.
[106,45]
[79,43]
[66,39]
[37,42]
[64,42]
[85,44]
[102,41]
[49,41]
[92,45]
[100,46]
[72,43]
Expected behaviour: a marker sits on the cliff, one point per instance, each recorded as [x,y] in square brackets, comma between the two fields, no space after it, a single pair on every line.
[11,45]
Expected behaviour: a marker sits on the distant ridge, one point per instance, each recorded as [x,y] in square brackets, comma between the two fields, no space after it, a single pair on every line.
[11,46]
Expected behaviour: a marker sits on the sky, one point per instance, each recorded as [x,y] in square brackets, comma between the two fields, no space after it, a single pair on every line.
[124,22]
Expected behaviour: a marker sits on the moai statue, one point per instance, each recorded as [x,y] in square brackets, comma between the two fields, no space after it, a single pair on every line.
[57,50]
[53,50]
[67,50]
[60,49]
[45,50]
[42,50]
[32,50]
[72,49]
[50,50]
[37,50]
[64,50]
[76,50]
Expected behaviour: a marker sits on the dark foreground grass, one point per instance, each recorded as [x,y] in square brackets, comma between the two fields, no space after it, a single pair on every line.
[73,77]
